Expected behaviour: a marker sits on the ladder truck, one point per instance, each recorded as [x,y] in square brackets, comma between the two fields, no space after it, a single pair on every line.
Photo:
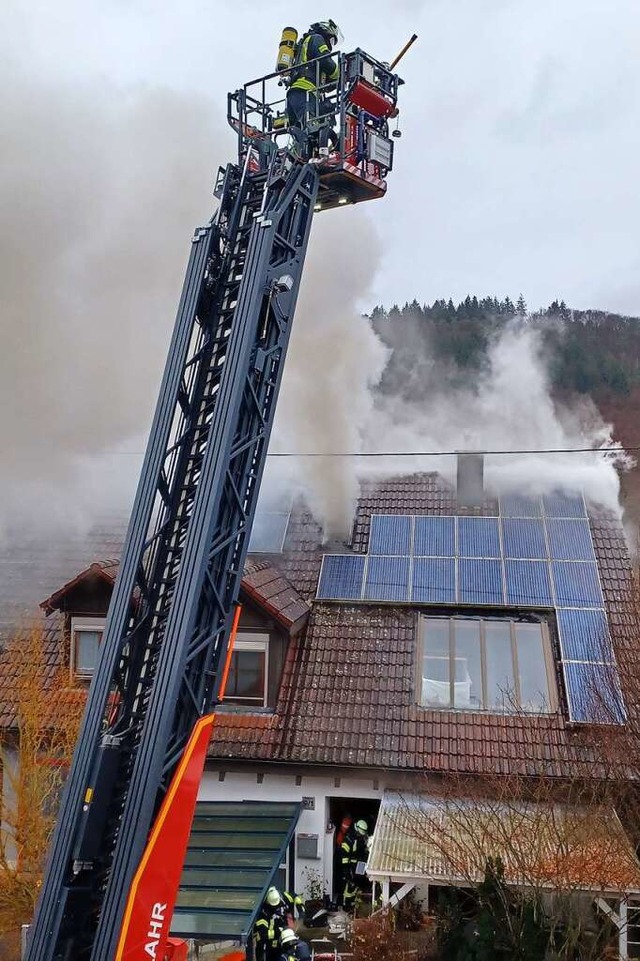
[118,847]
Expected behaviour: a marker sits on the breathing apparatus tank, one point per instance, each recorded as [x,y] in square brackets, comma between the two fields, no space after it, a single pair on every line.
[287,49]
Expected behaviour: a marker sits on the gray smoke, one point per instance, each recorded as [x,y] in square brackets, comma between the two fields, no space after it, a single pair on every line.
[100,190]
[334,362]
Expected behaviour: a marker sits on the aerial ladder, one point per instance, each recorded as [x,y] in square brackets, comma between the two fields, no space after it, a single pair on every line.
[125,815]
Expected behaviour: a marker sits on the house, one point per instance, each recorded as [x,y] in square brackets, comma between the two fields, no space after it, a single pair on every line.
[460,638]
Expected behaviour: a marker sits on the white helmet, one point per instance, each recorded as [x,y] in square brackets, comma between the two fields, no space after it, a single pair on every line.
[288,935]
[361,827]
[273,898]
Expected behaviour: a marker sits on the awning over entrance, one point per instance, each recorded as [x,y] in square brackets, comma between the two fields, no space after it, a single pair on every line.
[234,853]
[448,841]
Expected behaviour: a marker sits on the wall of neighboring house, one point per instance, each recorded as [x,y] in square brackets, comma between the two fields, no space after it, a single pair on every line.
[325,798]
[8,769]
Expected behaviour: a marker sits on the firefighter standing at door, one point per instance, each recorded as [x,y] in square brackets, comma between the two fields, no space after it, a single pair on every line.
[355,851]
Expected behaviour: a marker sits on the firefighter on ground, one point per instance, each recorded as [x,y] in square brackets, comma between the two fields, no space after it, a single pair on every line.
[292,948]
[307,107]
[269,926]
[355,850]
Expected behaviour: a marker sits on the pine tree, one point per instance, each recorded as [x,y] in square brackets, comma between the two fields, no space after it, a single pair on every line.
[521,306]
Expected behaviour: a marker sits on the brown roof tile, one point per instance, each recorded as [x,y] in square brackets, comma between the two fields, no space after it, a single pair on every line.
[348,694]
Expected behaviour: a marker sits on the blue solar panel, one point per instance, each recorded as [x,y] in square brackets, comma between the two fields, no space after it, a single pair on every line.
[478,537]
[576,584]
[569,540]
[341,576]
[584,636]
[514,505]
[434,580]
[524,538]
[564,505]
[480,582]
[593,693]
[528,583]
[387,579]
[434,536]
[390,534]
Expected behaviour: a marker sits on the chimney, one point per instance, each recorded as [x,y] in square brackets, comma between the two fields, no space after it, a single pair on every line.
[470,481]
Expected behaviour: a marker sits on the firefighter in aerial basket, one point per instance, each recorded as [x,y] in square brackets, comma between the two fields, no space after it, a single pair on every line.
[312,73]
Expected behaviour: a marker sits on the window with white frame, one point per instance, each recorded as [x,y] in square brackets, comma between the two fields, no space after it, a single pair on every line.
[247,681]
[503,665]
[86,637]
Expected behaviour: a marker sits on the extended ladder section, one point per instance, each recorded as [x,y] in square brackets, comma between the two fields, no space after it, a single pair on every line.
[170,617]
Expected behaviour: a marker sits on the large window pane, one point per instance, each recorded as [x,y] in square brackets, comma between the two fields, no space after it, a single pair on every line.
[501,693]
[436,689]
[467,687]
[470,664]
[534,691]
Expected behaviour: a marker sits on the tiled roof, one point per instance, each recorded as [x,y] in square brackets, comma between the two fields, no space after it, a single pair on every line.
[53,658]
[349,697]
[274,594]
[262,583]
[106,570]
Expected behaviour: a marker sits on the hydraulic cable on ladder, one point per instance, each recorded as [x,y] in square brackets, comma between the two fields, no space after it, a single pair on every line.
[170,618]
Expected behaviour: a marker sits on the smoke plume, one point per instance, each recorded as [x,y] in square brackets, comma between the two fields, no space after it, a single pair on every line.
[100,190]
[334,362]
[509,407]
[331,404]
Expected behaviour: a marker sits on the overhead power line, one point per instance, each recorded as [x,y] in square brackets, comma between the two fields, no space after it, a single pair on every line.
[455,453]
[430,453]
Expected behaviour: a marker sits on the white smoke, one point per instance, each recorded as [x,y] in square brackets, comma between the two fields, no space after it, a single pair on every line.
[100,190]
[508,408]
[329,405]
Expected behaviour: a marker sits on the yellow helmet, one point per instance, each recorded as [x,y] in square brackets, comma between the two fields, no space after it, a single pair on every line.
[273,898]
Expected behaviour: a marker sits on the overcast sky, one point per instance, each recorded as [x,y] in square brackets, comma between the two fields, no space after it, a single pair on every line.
[518,166]
[517,172]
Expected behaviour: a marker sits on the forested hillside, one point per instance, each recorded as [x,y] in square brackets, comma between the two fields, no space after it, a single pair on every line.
[587,352]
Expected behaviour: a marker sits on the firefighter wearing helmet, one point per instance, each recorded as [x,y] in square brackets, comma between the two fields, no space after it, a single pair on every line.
[269,925]
[278,911]
[354,851]
[315,72]
[292,948]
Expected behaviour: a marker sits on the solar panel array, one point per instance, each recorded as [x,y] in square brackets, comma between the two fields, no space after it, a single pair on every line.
[538,553]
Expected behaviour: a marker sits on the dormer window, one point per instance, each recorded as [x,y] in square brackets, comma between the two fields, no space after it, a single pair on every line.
[248,671]
[86,637]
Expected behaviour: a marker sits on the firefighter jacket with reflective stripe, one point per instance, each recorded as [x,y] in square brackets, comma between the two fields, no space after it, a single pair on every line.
[353,849]
[293,902]
[305,75]
[269,925]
